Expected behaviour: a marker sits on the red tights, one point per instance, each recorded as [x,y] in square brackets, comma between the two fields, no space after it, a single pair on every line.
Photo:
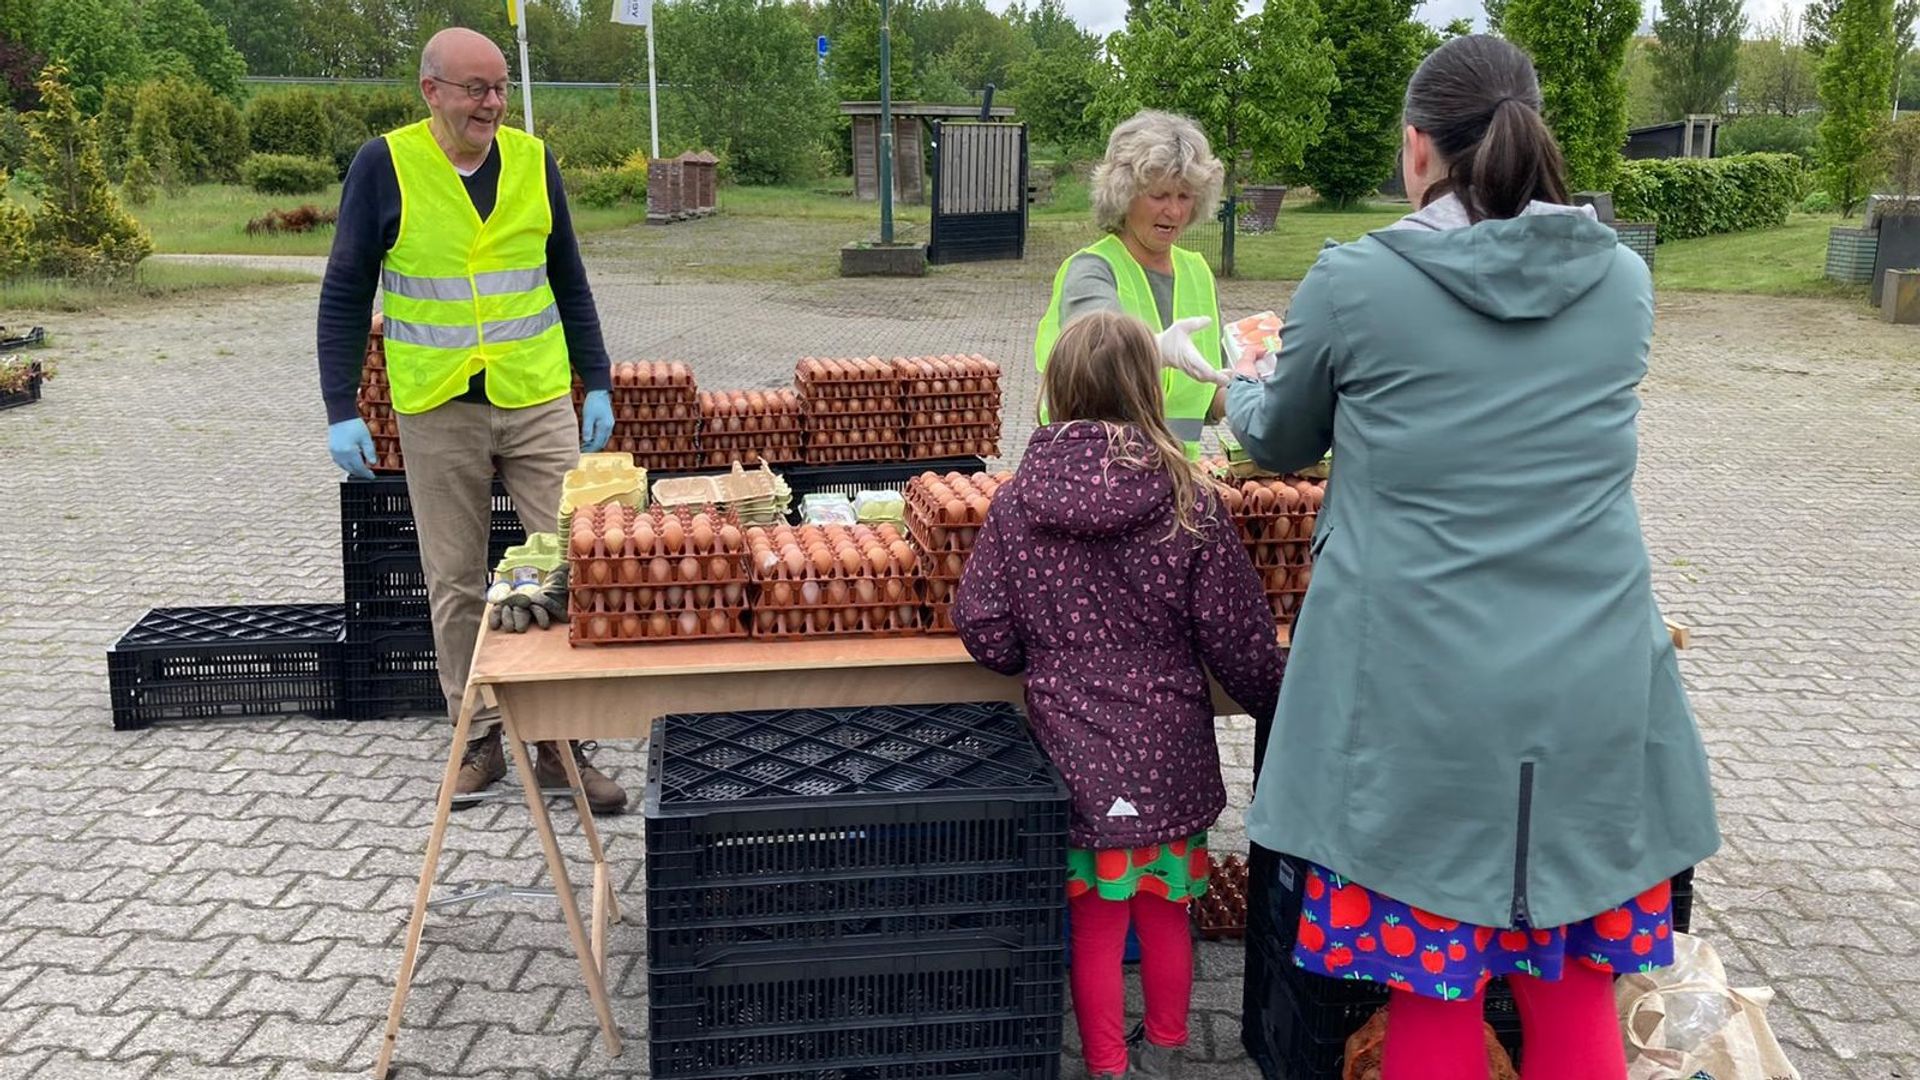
[1099,986]
[1570,1028]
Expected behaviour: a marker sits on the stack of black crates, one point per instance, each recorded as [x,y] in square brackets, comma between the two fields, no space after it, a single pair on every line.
[389,656]
[870,893]
[1295,1024]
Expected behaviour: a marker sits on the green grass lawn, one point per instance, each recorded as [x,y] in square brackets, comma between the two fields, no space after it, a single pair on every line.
[1787,261]
[151,281]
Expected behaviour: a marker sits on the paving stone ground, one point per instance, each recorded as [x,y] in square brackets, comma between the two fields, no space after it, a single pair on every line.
[226,900]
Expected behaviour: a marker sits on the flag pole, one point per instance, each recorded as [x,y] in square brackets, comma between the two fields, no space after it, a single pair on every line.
[653,93]
[526,69]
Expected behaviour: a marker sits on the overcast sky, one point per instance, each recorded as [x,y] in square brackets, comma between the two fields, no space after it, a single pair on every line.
[1105,16]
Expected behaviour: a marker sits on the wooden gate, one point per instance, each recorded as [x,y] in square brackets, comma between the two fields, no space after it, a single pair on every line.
[979,192]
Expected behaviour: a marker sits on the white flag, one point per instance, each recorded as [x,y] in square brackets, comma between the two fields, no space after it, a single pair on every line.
[633,12]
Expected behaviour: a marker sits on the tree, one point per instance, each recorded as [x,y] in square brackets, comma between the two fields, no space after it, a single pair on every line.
[95,42]
[1776,72]
[265,32]
[183,41]
[19,20]
[1377,45]
[79,230]
[1257,86]
[748,87]
[1856,92]
[1643,85]
[1496,14]
[150,138]
[1696,54]
[1056,84]
[1910,82]
[853,63]
[1578,48]
[19,68]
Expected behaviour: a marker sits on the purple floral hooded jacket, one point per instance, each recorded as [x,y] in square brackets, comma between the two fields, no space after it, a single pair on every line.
[1075,581]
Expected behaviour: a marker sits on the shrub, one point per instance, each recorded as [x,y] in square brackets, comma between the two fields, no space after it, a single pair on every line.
[1818,202]
[205,137]
[138,186]
[79,231]
[16,235]
[592,138]
[287,174]
[294,123]
[1698,196]
[608,187]
[13,140]
[1769,135]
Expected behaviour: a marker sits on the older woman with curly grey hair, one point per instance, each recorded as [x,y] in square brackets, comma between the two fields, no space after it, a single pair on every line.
[1159,176]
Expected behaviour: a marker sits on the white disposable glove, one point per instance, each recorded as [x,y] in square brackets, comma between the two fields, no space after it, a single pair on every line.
[1177,352]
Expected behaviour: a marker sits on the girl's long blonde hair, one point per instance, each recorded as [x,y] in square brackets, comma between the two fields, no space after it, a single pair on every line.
[1105,369]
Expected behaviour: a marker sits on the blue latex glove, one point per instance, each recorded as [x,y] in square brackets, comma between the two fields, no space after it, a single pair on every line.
[596,421]
[351,445]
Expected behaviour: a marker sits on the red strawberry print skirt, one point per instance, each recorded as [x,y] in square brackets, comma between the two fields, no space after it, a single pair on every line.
[1348,931]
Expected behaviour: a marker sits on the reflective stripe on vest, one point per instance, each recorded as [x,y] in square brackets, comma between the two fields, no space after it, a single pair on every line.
[1187,400]
[462,295]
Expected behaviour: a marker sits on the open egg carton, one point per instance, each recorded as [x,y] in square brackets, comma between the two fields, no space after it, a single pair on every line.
[664,574]
[952,405]
[944,515]
[751,426]
[1220,913]
[852,410]
[833,580]
[1276,517]
[375,400]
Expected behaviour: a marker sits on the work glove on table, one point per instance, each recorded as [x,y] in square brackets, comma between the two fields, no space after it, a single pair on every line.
[515,608]
[351,445]
[1178,353]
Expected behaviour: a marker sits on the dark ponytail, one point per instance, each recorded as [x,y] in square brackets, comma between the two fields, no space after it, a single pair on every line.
[1477,98]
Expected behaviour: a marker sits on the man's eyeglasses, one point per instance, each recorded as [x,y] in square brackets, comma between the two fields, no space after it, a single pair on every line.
[478,90]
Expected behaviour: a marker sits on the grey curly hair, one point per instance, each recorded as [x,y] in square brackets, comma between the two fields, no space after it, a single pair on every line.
[1147,149]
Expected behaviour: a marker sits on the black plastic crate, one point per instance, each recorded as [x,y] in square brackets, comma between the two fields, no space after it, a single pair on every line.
[836,1008]
[386,587]
[849,480]
[200,662]
[396,675]
[380,511]
[816,826]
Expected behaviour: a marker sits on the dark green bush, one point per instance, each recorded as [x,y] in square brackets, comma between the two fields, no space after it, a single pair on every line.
[606,187]
[287,174]
[1794,135]
[296,123]
[1699,196]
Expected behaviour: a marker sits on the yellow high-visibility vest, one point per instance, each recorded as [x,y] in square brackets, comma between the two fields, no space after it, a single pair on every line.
[462,295]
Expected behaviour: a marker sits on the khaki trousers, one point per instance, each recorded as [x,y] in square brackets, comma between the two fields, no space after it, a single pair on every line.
[452,453]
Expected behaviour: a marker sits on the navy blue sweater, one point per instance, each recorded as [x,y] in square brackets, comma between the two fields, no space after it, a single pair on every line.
[370,224]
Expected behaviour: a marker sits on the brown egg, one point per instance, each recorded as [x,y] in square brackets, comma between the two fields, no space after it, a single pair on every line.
[902,556]
[851,562]
[645,542]
[643,599]
[717,623]
[659,571]
[810,593]
[730,594]
[865,591]
[674,597]
[1285,499]
[719,568]
[878,560]
[689,569]
[599,628]
[1280,528]
[1261,499]
[582,540]
[629,626]
[674,535]
[954,512]
[956,565]
[895,589]
[597,572]
[837,591]
[702,535]
[629,571]
[659,625]
[822,562]
[689,624]
[782,594]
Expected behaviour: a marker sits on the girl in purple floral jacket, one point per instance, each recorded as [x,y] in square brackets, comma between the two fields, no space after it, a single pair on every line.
[1110,576]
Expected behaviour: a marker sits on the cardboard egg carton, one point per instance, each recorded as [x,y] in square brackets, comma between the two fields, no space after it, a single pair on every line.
[609,477]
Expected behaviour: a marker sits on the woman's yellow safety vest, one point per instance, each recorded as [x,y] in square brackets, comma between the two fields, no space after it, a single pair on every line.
[1188,399]
[462,295]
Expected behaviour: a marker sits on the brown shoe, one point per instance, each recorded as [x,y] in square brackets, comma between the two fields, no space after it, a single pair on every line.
[603,795]
[484,764]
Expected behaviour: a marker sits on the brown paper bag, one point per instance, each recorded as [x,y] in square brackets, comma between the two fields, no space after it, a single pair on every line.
[1685,1023]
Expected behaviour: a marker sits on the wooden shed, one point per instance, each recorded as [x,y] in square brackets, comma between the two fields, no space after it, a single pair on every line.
[909,144]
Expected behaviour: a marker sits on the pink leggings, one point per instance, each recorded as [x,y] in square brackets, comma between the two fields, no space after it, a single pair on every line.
[1570,1028]
[1099,985]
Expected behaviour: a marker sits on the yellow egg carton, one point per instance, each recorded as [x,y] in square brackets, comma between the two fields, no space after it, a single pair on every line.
[604,478]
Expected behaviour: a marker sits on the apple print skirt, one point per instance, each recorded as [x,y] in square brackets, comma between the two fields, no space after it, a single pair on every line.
[1348,931]
[1174,871]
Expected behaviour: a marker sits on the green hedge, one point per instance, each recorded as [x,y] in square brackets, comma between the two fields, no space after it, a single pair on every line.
[617,186]
[1691,197]
[287,174]
[329,125]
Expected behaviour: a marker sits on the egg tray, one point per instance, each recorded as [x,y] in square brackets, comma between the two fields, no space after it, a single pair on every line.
[854,455]
[387,457]
[1259,529]
[966,419]
[1220,913]
[679,419]
[382,427]
[719,458]
[933,451]
[1268,554]
[639,571]
[828,384]
[858,412]
[645,375]
[940,619]
[940,539]
[990,401]
[651,445]
[722,437]
[904,619]
[580,628]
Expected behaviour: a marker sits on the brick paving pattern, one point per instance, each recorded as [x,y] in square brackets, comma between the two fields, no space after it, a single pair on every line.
[227,900]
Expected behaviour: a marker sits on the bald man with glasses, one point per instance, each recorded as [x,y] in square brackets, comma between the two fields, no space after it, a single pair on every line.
[461,226]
